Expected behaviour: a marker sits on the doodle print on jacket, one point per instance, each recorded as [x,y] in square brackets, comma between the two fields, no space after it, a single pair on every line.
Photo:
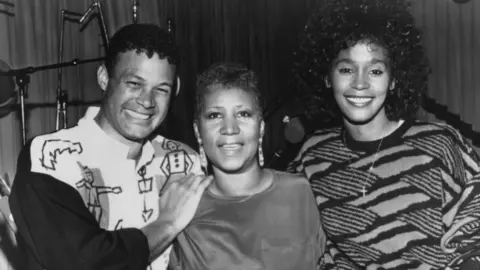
[94,191]
[51,149]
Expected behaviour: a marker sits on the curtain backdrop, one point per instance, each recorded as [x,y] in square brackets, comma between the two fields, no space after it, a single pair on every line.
[262,34]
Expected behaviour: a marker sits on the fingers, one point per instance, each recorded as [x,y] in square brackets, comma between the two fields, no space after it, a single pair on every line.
[204,183]
[200,182]
[190,182]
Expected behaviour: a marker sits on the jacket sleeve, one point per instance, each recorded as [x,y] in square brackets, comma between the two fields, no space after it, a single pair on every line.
[60,232]
[461,202]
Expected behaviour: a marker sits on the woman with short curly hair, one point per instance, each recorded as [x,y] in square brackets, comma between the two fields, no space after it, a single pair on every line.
[393,192]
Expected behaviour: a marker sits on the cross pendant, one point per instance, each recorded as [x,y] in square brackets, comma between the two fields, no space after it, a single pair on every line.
[364,191]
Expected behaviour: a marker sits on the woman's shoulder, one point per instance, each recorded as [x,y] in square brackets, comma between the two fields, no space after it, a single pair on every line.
[291,180]
[438,132]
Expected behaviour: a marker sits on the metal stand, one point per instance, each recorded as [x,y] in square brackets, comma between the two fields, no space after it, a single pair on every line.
[22,81]
[103,28]
[62,93]
[62,96]
[135,6]
[22,78]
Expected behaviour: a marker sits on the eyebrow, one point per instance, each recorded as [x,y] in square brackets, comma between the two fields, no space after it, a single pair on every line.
[134,76]
[165,84]
[236,107]
[130,74]
[350,61]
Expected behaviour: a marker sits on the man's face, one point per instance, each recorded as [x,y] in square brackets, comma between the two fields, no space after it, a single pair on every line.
[137,95]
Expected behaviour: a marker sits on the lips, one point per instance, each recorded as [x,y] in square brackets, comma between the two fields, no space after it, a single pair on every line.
[137,115]
[230,149]
[358,100]
[231,146]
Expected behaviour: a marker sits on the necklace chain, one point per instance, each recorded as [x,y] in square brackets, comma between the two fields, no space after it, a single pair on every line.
[370,170]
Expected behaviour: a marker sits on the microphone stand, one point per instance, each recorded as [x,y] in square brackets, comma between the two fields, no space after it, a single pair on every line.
[103,28]
[62,96]
[22,78]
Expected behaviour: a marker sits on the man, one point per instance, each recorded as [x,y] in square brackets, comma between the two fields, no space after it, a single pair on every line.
[88,197]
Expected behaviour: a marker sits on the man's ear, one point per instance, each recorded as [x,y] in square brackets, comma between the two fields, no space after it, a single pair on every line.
[178,86]
[102,77]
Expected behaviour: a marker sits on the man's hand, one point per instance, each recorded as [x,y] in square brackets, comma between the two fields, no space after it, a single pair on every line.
[178,203]
[179,199]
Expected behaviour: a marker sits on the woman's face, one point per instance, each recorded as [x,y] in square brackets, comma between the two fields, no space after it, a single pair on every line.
[230,127]
[360,79]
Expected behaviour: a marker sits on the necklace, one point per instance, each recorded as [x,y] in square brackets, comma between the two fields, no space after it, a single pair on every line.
[370,170]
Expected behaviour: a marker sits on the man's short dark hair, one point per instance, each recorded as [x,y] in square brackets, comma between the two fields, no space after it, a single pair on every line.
[143,38]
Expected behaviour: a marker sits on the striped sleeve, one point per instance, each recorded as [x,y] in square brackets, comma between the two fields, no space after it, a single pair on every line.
[334,259]
[296,166]
[461,202]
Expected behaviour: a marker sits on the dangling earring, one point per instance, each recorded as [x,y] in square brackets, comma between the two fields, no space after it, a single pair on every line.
[203,158]
[260,153]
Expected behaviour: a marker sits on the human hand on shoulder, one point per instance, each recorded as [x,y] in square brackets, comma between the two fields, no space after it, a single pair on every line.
[179,199]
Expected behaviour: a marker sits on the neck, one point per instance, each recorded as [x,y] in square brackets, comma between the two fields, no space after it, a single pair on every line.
[376,129]
[239,184]
[134,146]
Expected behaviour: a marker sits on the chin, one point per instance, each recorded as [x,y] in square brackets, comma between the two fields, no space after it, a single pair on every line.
[359,116]
[230,166]
[137,136]
[358,120]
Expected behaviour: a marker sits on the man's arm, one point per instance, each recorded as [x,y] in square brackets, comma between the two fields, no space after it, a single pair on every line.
[62,234]
[178,203]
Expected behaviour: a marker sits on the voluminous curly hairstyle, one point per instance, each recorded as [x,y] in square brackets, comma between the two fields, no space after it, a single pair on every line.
[143,38]
[226,76]
[340,24]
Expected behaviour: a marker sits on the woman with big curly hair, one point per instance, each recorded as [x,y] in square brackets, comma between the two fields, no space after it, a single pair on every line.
[393,192]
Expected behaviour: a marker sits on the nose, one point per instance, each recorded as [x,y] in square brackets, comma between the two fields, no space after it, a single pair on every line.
[360,82]
[230,126]
[146,98]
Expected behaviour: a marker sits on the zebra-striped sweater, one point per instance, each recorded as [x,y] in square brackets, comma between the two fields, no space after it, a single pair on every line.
[418,207]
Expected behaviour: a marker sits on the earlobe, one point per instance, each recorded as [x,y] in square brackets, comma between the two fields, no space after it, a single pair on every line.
[262,129]
[392,85]
[197,134]
[102,77]
[327,82]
